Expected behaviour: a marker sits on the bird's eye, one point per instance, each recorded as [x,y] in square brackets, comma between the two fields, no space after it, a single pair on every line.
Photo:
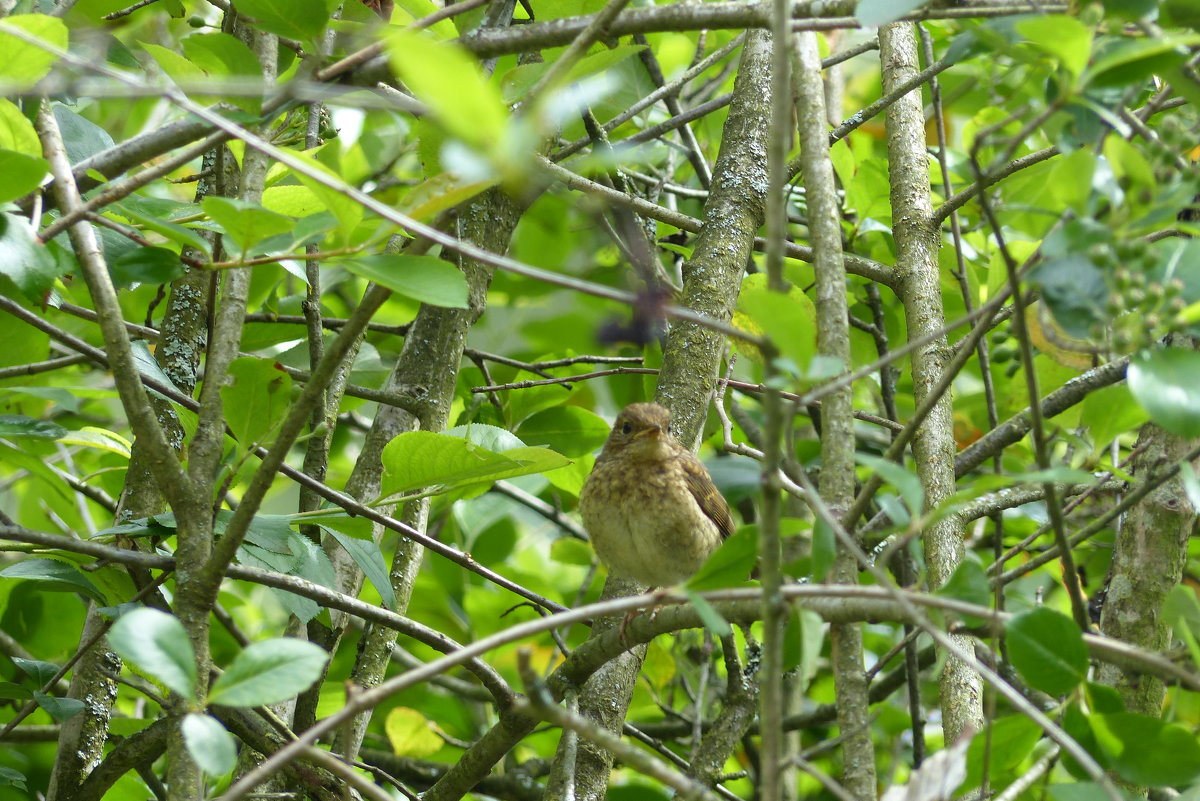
[627,428]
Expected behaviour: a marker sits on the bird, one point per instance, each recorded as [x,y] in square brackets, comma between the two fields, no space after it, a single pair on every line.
[649,505]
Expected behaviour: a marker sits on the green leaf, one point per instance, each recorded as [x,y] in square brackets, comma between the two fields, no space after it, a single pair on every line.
[24,261]
[1182,612]
[11,778]
[41,672]
[1065,38]
[59,708]
[786,318]
[221,54]
[25,64]
[257,400]
[570,551]
[82,137]
[245,223]
[367,556]
[1126,61]
[158,644]
[709,616]
[268,672]
[22,174]
[293,19]
[1164,382]
[873,13]
[411,734]
[54,576]
[968,583]
[1047,649]
[824,547]
[150,265]
[571,430]
[427,279]
[1146,751]
[907,483]
[16,132]
[18,425]
[422,459]
[1012,738]
[213,748]
[457,93]
[729,565]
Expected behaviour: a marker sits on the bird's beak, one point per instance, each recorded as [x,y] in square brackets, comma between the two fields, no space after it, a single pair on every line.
[652,431]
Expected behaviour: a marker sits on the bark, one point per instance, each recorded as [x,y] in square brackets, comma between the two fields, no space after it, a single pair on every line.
[430,359]
[1148,560]
[919,289]
[837,420]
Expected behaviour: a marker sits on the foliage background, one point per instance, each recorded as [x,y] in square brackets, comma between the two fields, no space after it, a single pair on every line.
[314,233]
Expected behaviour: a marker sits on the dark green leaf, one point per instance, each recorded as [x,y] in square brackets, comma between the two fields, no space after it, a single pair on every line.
[213,748]
[146,266]
[1146,751]
[59,708]
[41,672]
[1013,737]
[427,279]
[82,137]
[25,262]
[1047,649]
[54,575]
[729,566]
[158,644]
[709,616]
[18,425]
[968,583]
[257,400]
[367,556]
[570,430]
[268,672]
[1164,382]
[824,546]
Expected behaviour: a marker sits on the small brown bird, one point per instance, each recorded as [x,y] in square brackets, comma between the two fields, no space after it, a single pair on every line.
[651,508]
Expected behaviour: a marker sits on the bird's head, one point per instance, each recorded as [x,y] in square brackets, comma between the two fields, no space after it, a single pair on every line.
[642,429]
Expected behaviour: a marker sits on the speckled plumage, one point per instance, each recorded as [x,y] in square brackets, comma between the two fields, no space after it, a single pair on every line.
[651,508]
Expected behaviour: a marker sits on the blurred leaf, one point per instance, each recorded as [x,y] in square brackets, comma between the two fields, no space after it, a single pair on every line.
[294,19]
[22,173]
[411,734]
[969,583]
[1047,649]
[1012,739]
[213,748]
[1064,37]
[18,425]
[824,547]
[1146,751]
[158,644]
[570,551]
[269,672]
[873,13]
[1163,381]
[457,93]
[427,279]
[25,64]
[907,483]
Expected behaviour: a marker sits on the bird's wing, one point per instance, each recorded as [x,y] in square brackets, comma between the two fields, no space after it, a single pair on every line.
[710,499]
